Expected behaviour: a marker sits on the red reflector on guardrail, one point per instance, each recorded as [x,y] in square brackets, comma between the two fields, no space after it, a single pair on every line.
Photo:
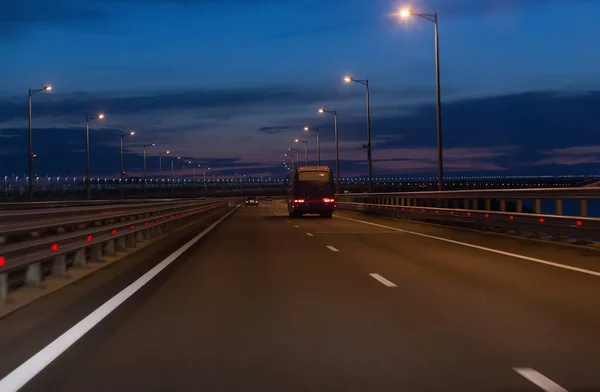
[451,212]
[171,216]
[468,214]
[487,215]
[579,223]
[132,227]
[423,210]
[2,261]
[114,232]
[90,238]
[146,224]
[437,211]
[541,220]
[512,217]
[54,248]
[157,221]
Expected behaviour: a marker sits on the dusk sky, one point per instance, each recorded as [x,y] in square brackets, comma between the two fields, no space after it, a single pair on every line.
[232,83]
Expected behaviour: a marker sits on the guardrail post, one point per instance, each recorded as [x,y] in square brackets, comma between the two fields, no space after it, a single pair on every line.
[139,237]
[520,206]
[109,248]
[558,209]
[33,276]
[503,205]
[538,206]
[79,259]
[147,234]
[466,204]
[59,266]
[488,205]
[131,241]
[3,288]
[158,230]
[121,243]
[96,253]
[583,208]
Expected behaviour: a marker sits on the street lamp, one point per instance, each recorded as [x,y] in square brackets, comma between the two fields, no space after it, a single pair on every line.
[307,129]
[32,156]
[337,150]
[121,136]
[87,151]
[365,83]
[406,13]
[297,156]
[145,147]
[305,142]
[286,156]
[160,154]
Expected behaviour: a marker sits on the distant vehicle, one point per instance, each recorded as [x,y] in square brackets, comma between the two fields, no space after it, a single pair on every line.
[268,198]
[311,190]
[251,201]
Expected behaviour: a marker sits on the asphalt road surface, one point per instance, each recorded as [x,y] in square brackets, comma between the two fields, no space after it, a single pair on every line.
[353,303]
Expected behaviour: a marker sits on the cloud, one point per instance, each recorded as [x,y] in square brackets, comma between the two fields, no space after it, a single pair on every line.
[276,130]
[575,155]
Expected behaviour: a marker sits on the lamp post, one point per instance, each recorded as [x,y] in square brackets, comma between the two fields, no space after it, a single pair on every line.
[305,142]
[365,83]
[160,154]
[307,129]
[145,147]
[32,156]
[434,19]
[286,156]
[121,136]
[297,156]
[337,149]
[87,151]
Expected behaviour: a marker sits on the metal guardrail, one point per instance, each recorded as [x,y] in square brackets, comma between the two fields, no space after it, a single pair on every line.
[494,209]
[75,242]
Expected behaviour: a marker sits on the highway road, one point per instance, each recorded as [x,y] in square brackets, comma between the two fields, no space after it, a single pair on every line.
[269,303]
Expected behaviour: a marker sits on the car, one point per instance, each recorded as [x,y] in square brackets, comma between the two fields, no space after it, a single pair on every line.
[268,198]
[251,201]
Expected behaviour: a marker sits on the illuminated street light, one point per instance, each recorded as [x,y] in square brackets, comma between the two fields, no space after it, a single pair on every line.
[32,156]
[307,129]
[365,83]
[297,155]
[121,136]
[87,151]
[433,18]
[145,147]
[160,154]
[337,150]
[305,142]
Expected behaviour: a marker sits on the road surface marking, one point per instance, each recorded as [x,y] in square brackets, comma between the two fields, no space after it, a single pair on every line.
[540,380]
[383,280]
[500,252]
[310,234]
[296,226]
[357,232]
[331,248]
[16,379]
[288,221]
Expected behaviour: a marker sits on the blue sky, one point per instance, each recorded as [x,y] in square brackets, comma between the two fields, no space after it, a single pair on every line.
[231,83]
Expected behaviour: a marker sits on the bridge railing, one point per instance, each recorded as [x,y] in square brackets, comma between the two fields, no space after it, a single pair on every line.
[33,250]
[515,210]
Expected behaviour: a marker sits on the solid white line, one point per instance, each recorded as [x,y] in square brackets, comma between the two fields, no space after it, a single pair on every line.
[540,380]
[310,234]
[383,280]
[500,252]
[24,373]
[331,248]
